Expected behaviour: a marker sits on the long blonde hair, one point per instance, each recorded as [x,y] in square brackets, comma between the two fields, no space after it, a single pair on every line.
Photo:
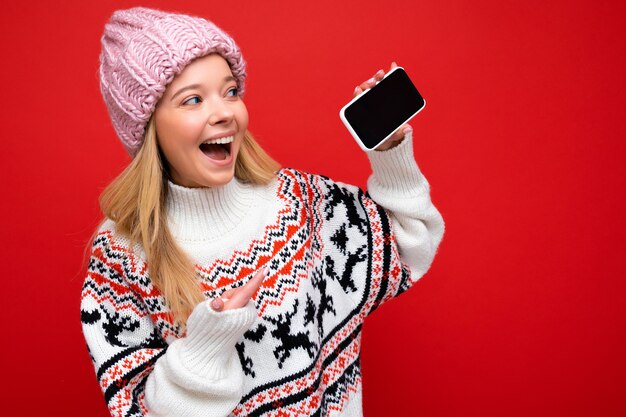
[136,201]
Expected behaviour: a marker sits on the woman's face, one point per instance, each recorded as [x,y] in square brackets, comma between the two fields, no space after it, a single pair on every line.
[200,123]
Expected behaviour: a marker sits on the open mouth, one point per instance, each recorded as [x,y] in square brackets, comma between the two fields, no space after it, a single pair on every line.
[217,149]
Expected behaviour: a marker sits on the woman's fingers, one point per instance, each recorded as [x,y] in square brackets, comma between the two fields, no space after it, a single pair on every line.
[400,133]
[217,304]
[228,293]
[242,295]
[396,138]
[372,81]
[239,297]
[364,86]
[380,74]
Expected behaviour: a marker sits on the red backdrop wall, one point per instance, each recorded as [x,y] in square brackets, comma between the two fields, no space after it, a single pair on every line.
[523,311]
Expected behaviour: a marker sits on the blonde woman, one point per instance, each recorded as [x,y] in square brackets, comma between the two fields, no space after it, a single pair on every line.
[219,284]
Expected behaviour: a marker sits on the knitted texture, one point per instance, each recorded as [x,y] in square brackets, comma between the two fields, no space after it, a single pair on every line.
[142,51]
[334,258]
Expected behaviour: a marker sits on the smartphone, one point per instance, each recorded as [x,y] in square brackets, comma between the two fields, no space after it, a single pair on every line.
[374,115]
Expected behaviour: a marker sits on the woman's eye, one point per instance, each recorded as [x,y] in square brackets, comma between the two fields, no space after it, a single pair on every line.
[233,92]
[192,100]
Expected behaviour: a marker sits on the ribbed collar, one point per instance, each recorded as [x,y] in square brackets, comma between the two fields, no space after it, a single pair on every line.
[208,213]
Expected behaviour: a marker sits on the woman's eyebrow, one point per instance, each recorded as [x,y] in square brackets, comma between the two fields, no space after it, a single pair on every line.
[182,90]
[192,86]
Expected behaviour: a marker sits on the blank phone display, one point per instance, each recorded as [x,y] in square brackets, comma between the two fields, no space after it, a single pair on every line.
[383,109]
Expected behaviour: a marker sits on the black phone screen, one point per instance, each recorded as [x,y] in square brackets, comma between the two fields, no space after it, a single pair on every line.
[384,108]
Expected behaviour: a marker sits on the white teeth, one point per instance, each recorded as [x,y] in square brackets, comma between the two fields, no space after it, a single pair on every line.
[219,141]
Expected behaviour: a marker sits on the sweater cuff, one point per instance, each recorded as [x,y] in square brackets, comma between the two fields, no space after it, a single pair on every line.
[395,170]
[211,338]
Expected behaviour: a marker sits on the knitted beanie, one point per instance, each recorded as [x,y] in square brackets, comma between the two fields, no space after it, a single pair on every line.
[142,51]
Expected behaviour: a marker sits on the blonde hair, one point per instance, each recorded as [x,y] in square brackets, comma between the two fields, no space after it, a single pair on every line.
[136,201]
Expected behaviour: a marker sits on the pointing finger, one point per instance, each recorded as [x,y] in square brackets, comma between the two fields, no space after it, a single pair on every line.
[228,293]
[242,295]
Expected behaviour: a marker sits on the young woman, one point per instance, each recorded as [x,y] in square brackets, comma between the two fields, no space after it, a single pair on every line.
[219,284]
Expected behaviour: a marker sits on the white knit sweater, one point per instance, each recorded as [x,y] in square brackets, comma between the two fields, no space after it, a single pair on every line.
[334,255]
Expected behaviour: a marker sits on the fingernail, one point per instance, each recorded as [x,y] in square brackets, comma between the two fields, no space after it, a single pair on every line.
[216,305]
[266,271]
[407,129]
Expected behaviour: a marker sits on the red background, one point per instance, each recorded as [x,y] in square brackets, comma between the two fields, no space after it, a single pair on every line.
[523,312]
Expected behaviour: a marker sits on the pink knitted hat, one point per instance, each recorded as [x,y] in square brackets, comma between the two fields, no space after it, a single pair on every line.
[142,51]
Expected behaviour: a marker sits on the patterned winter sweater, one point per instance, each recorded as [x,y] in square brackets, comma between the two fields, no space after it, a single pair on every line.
[334,254]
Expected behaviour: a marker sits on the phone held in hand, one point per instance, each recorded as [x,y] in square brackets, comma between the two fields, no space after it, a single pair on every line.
[373,116]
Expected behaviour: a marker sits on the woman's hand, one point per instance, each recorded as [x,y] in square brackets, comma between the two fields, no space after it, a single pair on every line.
[398,135]
[239,297]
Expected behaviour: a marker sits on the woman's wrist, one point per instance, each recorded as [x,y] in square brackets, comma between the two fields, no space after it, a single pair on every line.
[395,170]
[211,336]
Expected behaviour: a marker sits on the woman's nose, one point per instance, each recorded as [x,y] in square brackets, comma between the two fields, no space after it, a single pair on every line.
[220,113]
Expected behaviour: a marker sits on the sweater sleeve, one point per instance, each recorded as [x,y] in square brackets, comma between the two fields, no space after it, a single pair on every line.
[398,185]
[377,244]
[139,373]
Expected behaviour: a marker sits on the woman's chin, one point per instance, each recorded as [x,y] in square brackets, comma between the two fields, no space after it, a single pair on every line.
[219,179]
[212,180]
